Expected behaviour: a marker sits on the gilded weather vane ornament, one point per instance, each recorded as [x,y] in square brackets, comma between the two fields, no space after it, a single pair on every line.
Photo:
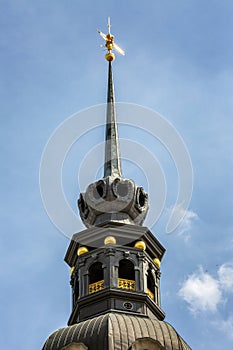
[110,44]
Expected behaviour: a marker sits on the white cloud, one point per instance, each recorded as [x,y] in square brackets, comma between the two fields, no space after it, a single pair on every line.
[201,291]
[225,275]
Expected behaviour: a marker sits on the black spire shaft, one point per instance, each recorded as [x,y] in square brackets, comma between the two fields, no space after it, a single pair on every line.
[112,165]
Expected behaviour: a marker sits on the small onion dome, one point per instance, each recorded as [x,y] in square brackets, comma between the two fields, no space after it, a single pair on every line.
[110,56]
[157,262]
[140,245]
[110,240]
[71,270]
[82,250]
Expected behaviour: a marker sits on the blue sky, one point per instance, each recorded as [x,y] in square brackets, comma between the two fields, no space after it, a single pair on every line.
[178,62]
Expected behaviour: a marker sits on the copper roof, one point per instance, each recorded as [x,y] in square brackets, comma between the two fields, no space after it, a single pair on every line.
[114,331]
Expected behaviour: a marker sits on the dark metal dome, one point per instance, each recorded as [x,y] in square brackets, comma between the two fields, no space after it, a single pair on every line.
[114,331]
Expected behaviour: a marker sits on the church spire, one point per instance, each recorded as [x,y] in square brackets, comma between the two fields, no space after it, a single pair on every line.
[113,200]
[112,165]
[115,263]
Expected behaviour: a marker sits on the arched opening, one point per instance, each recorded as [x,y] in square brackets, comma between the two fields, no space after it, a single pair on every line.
[146,344]
[75,346]
[150,285]
[126,275]
[96,278]
[75,288]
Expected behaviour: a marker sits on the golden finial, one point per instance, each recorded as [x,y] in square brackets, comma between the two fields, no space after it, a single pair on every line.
[110,240]
[140,245]
[110,44]
[157,262]
[82,250]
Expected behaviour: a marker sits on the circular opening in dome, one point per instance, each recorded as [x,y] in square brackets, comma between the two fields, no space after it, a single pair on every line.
[82,204]
[122,189]
[127,305]
[98,191]
[141,199]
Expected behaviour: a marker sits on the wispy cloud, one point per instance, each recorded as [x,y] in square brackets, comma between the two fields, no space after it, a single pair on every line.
[186,225]
[225,275]
[226,326]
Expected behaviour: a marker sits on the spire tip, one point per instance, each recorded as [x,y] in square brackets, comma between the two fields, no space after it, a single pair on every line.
[110,44]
